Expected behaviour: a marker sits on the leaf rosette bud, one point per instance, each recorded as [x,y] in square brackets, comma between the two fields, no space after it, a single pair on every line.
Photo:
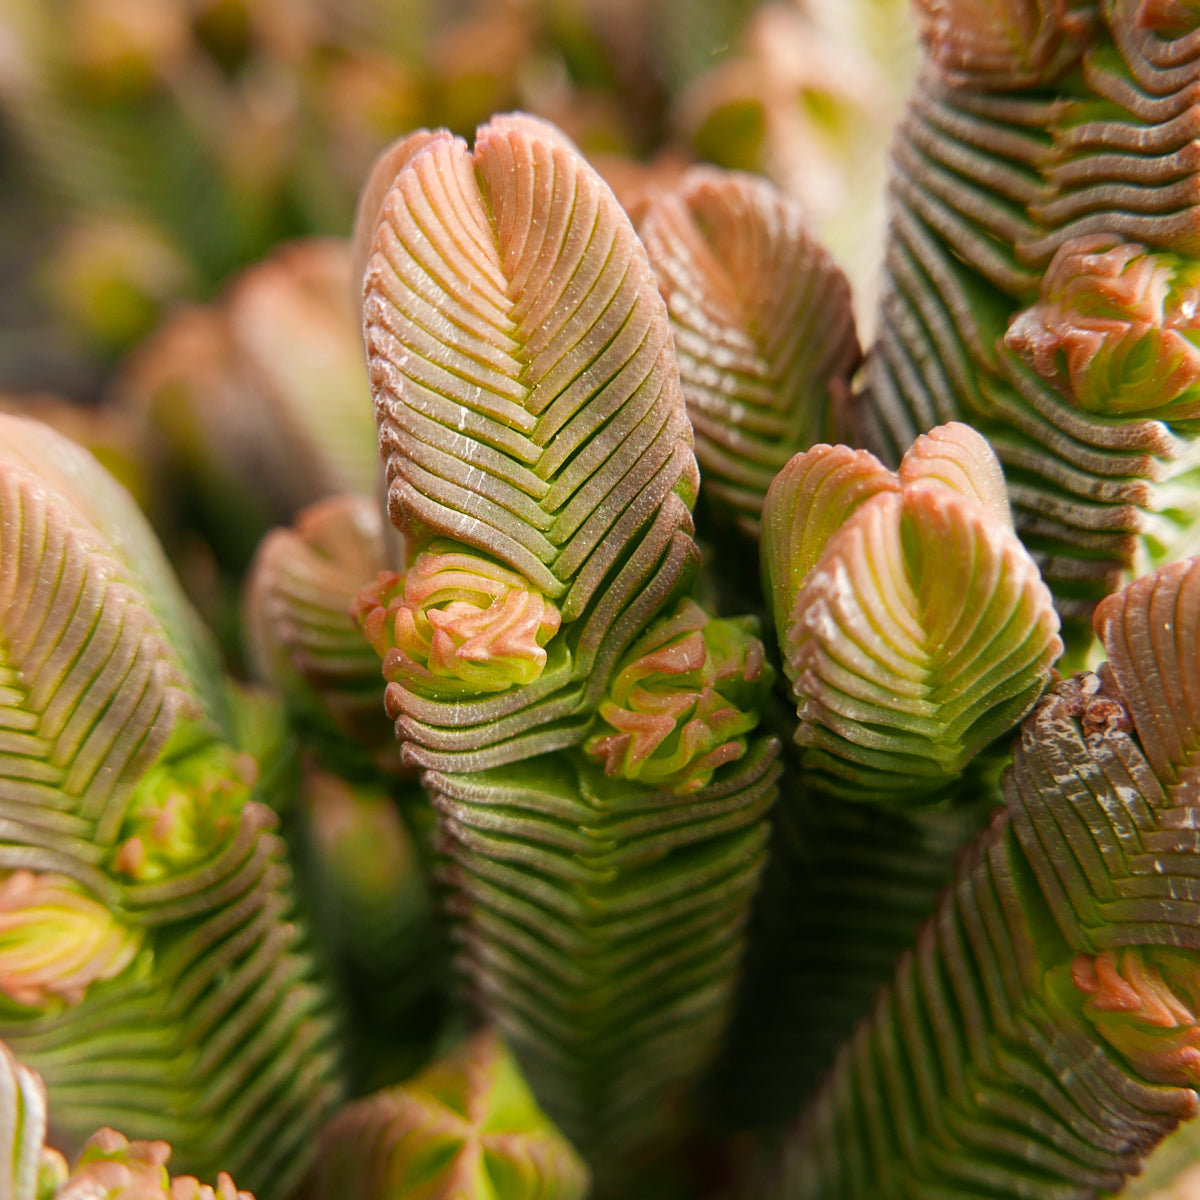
[1117,328]
[183,810]
[457,623]
[1145,1002]
[914,625]
[683,700]
[113,1168]
[56,940]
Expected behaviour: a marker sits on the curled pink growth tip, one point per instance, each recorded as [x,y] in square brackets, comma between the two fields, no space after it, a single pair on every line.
[457,622]
[1144,1001]
[1117,327]
[682,702]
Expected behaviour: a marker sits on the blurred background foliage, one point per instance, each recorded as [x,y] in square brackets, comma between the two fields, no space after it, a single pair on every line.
[152,149]
[178,178]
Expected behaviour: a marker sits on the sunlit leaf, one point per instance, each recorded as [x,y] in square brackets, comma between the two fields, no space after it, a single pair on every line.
[917,628]
[762,323]
[529,411]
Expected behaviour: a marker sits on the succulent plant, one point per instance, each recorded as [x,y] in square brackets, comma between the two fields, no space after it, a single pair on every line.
[1038,1036]
[582,725]
[1037,272]
[148,929]
[716,849]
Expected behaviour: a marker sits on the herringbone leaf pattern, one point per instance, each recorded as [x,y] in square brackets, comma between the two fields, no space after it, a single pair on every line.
[146,903]
[1040,272]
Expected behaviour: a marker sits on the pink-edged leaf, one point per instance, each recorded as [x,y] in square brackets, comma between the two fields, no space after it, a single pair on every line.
[914,626]
[763,327]
[521,359]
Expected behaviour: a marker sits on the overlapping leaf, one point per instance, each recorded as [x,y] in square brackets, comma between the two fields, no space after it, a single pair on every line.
[1041,208]
[1037,1041]
[530,413]
[588,745]
[600,923]
[1006,45]
[302,638]
[914,626]
[149,966]
[467,1127]
[763,328]
[27,1170]
[84,635]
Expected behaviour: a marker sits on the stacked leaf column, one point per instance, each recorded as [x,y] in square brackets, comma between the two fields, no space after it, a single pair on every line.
[1041,275]
[585,728]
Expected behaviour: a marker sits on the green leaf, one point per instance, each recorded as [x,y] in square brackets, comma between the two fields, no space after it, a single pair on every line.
[763,328]
[152,971]
[467,1127]
[682,700]
[110,1167]
[917,627]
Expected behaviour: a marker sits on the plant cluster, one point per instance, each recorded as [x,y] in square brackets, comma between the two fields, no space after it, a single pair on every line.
[714,763]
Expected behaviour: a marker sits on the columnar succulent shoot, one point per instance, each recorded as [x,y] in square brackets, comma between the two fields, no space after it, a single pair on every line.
[147,933]
[585,728]
[1041,275]
[1040,1038]
[914,631]
[28,1170]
